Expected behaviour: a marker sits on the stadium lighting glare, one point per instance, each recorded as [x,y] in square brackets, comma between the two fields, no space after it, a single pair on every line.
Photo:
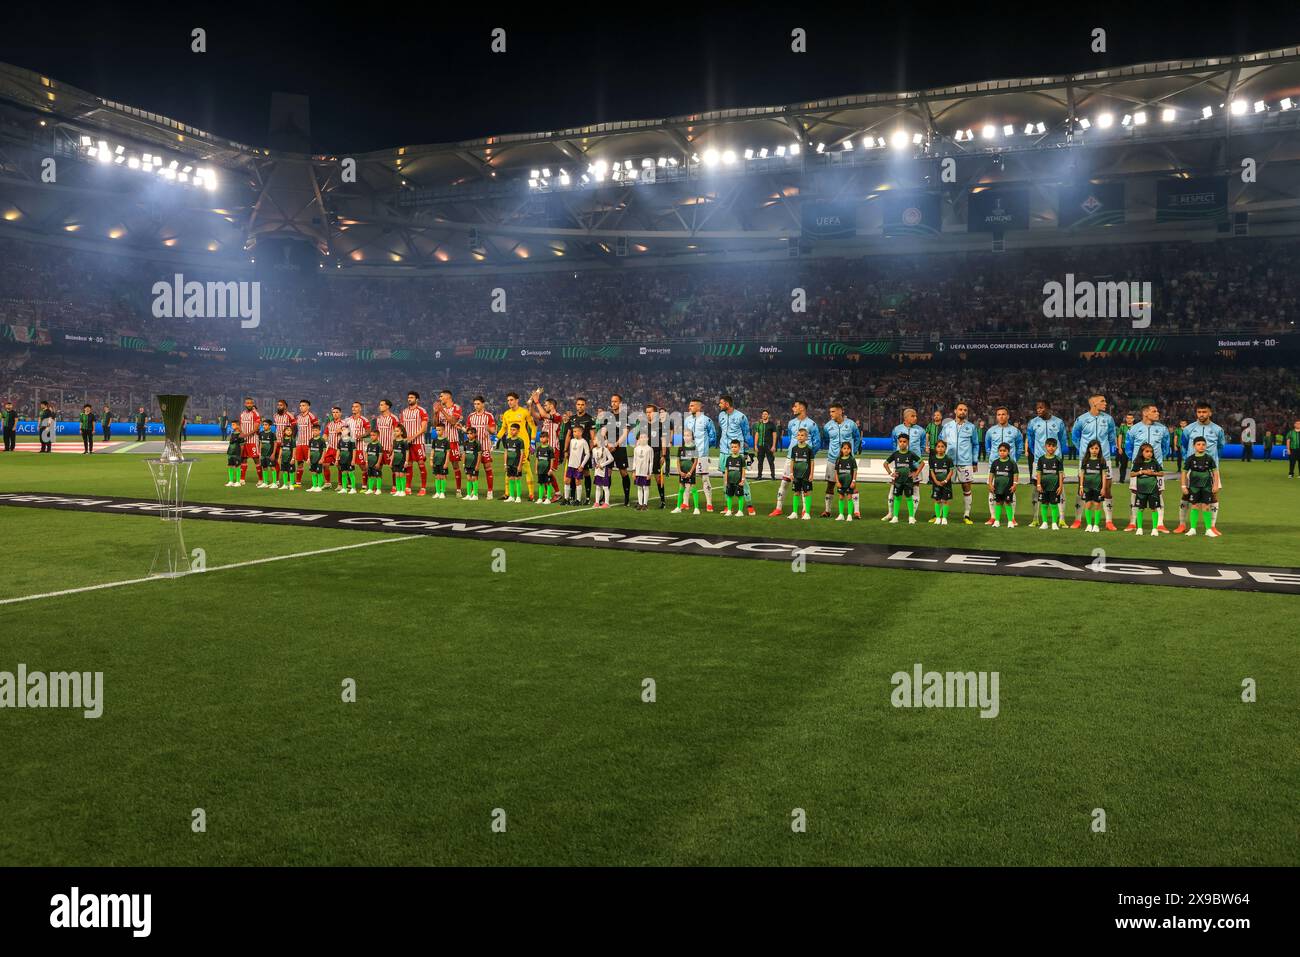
[749,154]
[120,150]
[534,174]
[1009,130]
[847,145]
[710,157]
[1140,118]
[729,157]
[1207,112]
[1127,121]
[564,178]
[899,139]
[780,151]
[1260,106]
[762,154]
[85,140]
[1105,120]
[1040,127]
[662,162]
[546,173]
[1238,107]
[1168,115]
[1085,124]
[1286,103]
[133,163]
[794,149]
[989,131]
[1029,128]
[820,147]
[969,135]
[119,160]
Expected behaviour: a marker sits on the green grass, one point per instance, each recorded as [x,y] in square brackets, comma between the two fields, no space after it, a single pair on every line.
[522,691]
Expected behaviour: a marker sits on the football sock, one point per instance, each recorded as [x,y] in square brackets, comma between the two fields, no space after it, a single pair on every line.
[1214,515]
[966,504]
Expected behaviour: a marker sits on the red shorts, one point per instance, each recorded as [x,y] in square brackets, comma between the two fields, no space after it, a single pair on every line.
[385,458]
[415,453]
[331,457]
[453,453]
[301,453]
[250,451]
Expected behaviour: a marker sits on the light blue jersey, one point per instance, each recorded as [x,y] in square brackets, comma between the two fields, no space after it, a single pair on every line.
[1155,433]
[1215,439]
[997,434]
[915,438]
[837,432]
[963,441]
[1040,430]
[1100,427]
[814,433]
[733,425]
[701,429]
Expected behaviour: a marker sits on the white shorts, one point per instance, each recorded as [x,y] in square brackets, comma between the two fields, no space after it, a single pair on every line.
[963,474]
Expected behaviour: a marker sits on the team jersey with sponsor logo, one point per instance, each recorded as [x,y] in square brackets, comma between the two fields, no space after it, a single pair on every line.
[1200,467]
[347,449]
[305,422]
[514,451]
[484,426]
[1093,471]
[1004,472]
[281,420]
[1214,437]
[235,447]
[545,460]
[317,446]
[359,425]
[685,459]
[333,430]
[448,419]
[385,423]
[941,469]
[441,448]
[471,451]
[1050,471]
[268,445]
[415,422]
[549,426]
[801,462]
[399,454]
[1147,475]
[846,470]
[250,422]
[734,467]
[374,452]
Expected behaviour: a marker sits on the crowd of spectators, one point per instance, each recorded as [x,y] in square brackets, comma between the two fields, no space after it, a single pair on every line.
[1231,285]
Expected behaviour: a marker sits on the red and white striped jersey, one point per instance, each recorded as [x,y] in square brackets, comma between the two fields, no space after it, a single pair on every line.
[304,422]
[448,421]
[250,421]
[282,421]
[415,422]
[385,422]
[360,427]
[484,425]
[332,432]
[549,426]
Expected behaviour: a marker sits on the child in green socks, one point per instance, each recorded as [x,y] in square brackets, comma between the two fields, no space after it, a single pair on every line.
[845,470]
[471,451]
[547,487]
[1148,473]
[1048,478]
[374,465]
[1003,475]
[941,468]
[801,459]
[1094,478]
[441,449]
[347,452]
[398,463]
[286,459]
[686,464]
[266,472]
[733,470]
[315,458]
[904,467]
[1200,482]
[233,453]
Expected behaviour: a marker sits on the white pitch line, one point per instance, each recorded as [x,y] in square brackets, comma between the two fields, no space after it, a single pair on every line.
[216,568]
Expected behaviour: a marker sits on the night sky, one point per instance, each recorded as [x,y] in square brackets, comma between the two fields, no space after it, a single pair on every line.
[398,74]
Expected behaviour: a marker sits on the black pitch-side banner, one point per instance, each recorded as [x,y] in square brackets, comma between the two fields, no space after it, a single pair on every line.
[1221,576]
[1201,199]
[1090,204]
[912,214]
[823,219]
[998,209]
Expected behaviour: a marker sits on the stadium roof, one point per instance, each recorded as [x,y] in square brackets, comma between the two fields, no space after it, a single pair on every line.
[727,180]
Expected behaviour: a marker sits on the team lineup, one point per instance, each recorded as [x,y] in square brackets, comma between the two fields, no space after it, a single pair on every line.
[570,458]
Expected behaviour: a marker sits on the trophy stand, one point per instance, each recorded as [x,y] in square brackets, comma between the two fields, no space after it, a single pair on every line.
[171,473]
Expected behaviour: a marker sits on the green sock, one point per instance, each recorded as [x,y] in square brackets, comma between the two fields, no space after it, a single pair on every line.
[695,497]
[911,508]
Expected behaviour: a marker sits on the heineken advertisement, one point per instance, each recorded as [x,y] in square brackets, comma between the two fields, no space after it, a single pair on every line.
[1090,204]
[1200,199]
[998,209]
[911,214]
[827,220]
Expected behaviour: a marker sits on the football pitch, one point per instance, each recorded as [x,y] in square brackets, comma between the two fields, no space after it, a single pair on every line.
[508,682]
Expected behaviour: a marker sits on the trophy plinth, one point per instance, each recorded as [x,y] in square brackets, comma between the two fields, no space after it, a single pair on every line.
[171,473]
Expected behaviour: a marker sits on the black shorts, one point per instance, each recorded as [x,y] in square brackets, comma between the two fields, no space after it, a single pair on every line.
[802,486]
[512,471]
[687,479]
[1200,496]
[1049,498]
[843,489]
[735,490]
[440,471]
[659,460]
[903,487]
[232,460]
[345,464]
[941,493]
[267,462]
[1148,500]
[316,467]
[1004,498]
[1092,496]
[620,458]
[375,471]
[544,478]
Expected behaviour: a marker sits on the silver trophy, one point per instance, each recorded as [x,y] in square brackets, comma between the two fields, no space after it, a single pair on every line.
[171,472]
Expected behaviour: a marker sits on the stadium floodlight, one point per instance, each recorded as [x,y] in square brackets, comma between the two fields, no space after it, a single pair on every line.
[119,160]
[762,153]
[1009,130]
[85,140]
[585,179]
[959,136]
[1168,114]
[646,163]
[969,134]
[847,145]
[899,139]
[1140,118]
[564,178]
[672,162]
[729,157]
[120,150]
[1029,128]
[183,177]
[989,131]
[1286,103]
[534,174]
[1238,107]
[546,172]
[188,169]
[917,139]
[132,163]
[780,151]
[1260,106]
[600,168]
[1085,123]
[794,149]
[749,154]
[710,157]
[1207,112]
[1105,120]
[1127,121]
[662,162]
[820,147]
[1040,127]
